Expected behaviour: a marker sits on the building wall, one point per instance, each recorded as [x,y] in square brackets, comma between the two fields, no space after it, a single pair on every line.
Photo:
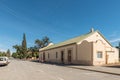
[113,56]
[109,54]
[99,47]
[52,54]
[84,53]
[95,37]
[81,54]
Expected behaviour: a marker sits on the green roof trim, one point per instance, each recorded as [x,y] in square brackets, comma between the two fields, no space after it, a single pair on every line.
[72,41]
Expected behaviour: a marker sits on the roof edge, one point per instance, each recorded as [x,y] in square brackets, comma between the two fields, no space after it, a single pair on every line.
[104,38]
[57,47]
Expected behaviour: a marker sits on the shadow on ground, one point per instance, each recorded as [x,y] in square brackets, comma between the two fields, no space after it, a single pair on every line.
[57,64]
[115,66]
[60,64]
[3,65]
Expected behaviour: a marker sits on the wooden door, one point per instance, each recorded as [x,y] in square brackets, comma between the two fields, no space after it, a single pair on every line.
[62,56]
[69,56]
[43,57]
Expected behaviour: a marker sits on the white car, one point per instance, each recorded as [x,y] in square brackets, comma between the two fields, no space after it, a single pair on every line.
[4,61]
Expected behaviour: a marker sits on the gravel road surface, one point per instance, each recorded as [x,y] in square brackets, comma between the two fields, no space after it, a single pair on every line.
[25,70]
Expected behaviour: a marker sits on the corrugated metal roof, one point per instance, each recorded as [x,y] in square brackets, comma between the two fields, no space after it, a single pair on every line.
[70,41]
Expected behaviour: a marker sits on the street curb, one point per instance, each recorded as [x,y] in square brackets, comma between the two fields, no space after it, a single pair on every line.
[95,71]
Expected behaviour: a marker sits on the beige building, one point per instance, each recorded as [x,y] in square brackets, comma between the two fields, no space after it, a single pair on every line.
[88,49]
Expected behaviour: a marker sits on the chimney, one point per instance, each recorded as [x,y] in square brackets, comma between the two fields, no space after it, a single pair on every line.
[92,30]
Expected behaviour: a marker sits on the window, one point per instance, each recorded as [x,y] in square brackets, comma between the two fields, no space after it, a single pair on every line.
[99,54]
[48,55]
[56,54]
[1,59]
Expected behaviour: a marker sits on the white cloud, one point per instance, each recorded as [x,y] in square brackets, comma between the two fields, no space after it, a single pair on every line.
[115,40]
[114,34]
[3,50]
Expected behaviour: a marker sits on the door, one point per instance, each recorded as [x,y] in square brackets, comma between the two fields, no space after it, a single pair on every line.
[107,56]
[62,57]
[69,56]
[43,57]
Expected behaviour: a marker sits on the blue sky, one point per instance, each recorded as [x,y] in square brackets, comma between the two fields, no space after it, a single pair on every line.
[57,19]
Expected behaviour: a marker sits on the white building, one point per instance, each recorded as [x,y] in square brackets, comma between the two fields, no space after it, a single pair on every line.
[89,49]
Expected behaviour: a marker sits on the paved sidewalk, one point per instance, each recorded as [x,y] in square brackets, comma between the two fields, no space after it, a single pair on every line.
[101,69]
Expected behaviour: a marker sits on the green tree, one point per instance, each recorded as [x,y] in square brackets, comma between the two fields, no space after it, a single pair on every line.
[8,53]
[19,51]
[42,43]
[0,53]
[4,54]
[24,46]
[34,51]
[14,55]
[16,47]
[39,43]
[46,41]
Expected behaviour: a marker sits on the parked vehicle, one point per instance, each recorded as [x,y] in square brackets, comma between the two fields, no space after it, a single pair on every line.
[4,61]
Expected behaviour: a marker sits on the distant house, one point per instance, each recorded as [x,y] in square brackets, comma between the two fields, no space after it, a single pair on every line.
[88,49]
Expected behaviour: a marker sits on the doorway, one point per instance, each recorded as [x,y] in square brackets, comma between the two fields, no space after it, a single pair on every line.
[107,57]
[44,57]
[69,56]
[62,57]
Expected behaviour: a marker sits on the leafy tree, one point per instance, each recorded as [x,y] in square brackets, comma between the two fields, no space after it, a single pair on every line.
[46,41]
[4,54]
[24,43]
[0,54]
[23,52]
[34,51]
[29,55]
[42,43]
[19,51]
[24,46]
[18,48]
[8,53]
[39,43]
[15,55]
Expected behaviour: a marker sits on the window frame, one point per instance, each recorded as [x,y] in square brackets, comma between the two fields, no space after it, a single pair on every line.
[99,54]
